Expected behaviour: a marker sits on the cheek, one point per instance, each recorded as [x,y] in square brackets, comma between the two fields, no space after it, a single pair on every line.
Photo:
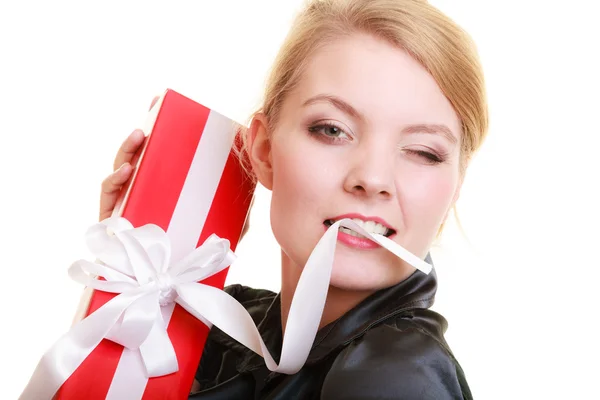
[302,183]
[304,173]
[427,196]
[302,187]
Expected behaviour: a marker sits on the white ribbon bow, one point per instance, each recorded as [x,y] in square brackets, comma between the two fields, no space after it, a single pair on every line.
[136,264]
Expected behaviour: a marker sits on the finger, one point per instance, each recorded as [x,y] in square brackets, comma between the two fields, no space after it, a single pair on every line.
[138,153]
[129,147]
[110,200]
[154,100]
[111,188]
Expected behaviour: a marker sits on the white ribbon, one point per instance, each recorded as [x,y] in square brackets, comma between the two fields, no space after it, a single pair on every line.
[136,264]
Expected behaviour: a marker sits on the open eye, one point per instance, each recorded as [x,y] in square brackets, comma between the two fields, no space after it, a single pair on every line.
[329,131]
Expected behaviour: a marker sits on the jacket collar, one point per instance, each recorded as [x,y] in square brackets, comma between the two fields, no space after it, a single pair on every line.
[417,291]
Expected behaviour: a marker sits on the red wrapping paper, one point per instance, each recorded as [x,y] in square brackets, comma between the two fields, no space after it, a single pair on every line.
[151,197]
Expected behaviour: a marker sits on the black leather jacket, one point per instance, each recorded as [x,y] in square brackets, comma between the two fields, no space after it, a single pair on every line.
[390,346]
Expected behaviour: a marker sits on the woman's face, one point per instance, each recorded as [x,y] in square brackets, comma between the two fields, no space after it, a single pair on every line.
[368,134]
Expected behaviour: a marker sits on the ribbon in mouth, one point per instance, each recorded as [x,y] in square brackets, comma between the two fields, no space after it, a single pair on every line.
[328,222]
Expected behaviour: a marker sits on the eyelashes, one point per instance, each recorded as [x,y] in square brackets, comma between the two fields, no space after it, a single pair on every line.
[332,133]
[329,132]
[429,157]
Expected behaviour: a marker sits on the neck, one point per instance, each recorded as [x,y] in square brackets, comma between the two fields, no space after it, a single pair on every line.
[337,302]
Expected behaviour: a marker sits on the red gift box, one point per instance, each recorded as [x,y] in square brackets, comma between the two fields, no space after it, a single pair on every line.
[189,182]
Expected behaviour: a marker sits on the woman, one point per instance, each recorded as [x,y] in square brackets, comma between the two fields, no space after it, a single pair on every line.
[372,111]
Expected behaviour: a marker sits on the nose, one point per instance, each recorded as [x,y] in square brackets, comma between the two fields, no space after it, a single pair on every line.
[371,173]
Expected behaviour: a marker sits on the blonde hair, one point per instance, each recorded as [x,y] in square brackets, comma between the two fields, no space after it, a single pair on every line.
[430,37]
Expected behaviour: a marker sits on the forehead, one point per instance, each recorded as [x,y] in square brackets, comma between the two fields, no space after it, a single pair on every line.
[381,81]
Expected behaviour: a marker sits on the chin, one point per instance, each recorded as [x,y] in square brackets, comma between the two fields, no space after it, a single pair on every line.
[353,274]
[354,286]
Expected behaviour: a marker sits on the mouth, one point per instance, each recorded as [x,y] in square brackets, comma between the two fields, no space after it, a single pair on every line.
[368,224]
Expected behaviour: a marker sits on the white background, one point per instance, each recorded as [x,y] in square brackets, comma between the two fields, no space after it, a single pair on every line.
[518,291]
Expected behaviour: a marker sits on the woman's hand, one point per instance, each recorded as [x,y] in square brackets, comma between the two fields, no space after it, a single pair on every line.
[126,158]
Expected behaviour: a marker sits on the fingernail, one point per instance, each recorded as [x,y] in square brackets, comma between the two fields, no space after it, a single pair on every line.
[122,167]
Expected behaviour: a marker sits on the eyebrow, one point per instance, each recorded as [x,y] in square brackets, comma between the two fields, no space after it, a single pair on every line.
[351,111]
[432,128]
[337,103]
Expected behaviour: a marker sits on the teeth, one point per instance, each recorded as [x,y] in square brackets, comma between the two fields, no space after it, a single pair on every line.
[369,226]
[350,232]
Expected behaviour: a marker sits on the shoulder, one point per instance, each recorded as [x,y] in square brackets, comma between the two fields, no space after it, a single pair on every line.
[221,353]
[253,300]
[398,359]
[245,294]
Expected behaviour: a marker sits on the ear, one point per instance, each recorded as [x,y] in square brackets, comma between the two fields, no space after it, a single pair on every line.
[259,150]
